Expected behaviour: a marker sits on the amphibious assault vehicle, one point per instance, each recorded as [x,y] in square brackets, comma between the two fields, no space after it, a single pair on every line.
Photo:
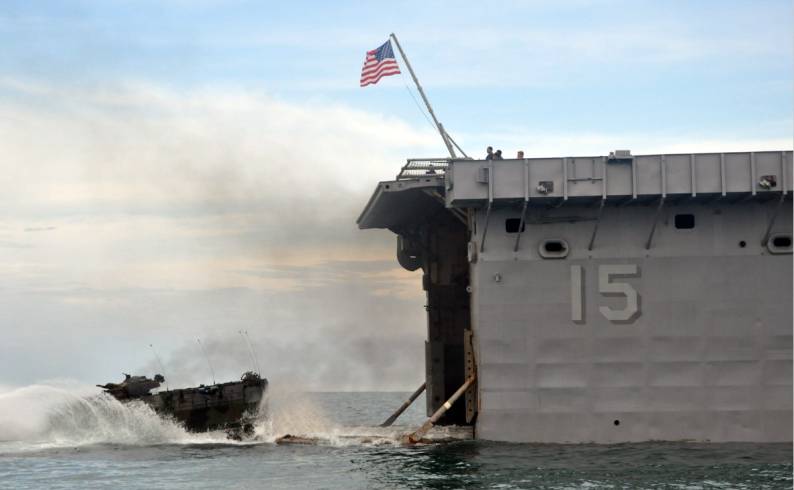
[228,406]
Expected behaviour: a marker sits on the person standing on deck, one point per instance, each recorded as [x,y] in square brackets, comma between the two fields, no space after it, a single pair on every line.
[489,152]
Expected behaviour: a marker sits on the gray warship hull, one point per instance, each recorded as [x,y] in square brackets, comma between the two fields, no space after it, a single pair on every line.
[604,299]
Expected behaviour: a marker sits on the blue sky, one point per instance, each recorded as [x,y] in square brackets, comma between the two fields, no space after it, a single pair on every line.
[183,169]
[718,69]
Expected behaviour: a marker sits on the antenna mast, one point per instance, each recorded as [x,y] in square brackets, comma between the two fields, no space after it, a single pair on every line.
[161,365]
[444,136]
[253,354]
[212,372]
[248,350]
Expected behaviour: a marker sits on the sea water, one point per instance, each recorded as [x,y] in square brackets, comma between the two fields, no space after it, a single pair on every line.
[74,438]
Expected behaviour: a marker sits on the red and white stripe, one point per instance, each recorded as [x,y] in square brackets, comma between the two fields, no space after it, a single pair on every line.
[374,70]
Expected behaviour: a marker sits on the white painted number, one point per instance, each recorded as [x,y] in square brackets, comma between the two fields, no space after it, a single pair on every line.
[617,288]
[606,287]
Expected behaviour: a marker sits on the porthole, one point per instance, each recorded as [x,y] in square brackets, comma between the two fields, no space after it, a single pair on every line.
[742,244]
[684,221]
[779,243]
[512,225]
[782,241]
[553,248]
[616,422]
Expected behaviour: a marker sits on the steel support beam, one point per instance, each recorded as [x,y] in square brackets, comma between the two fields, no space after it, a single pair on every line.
[655,221]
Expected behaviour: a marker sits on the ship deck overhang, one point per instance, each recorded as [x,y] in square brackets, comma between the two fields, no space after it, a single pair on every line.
[400,204]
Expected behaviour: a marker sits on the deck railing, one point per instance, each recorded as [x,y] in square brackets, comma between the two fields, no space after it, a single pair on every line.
[420,167]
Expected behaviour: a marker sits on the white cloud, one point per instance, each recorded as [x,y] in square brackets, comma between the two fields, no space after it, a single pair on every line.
[157,168]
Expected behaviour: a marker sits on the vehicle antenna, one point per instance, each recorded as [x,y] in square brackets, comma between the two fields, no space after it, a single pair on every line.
[160,362]
[248,350]
[212,372]
[253,353]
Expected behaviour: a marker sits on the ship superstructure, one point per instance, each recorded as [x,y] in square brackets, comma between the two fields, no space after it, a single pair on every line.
[603,299]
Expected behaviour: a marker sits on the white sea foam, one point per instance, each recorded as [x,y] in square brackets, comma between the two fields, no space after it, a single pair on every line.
[46,416]
[298,414]
[291,412]
[286,411]
[42,416]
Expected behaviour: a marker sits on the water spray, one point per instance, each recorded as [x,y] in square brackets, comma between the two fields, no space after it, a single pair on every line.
[212,372]
[161,365]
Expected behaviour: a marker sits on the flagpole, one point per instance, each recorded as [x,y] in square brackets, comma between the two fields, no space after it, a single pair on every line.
[424,98]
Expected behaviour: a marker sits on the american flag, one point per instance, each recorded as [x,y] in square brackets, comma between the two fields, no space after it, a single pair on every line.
[379,63]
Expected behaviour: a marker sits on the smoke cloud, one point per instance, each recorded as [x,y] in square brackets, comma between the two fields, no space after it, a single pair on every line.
[135,215]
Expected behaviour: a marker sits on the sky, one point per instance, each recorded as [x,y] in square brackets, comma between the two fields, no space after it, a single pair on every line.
[180,170]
